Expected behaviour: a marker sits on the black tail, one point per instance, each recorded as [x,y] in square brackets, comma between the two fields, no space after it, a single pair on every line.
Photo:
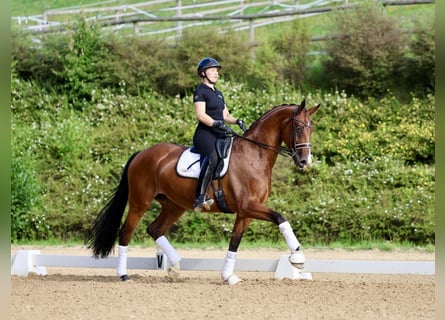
[104,232]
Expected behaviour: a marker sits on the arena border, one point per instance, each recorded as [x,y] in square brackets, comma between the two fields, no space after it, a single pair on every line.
[24,262]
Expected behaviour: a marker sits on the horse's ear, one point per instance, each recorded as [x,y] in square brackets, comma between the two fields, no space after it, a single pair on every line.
[314,109]
[303,104]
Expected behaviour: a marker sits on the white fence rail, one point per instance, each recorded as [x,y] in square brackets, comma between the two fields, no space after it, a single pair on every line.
[146,18]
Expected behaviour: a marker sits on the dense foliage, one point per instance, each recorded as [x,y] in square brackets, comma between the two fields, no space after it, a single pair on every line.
[83,102]
[368,55]
[373,176]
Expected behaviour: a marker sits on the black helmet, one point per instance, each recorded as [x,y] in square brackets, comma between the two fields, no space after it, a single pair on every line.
[207,63]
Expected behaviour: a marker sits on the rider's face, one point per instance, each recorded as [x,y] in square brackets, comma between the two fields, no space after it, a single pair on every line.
[212,74]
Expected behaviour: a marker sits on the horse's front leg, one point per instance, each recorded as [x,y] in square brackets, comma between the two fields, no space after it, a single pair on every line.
[261,212]
[296,257]
[239,228]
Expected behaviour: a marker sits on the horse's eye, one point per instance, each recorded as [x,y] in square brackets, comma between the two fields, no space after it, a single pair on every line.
[299,129]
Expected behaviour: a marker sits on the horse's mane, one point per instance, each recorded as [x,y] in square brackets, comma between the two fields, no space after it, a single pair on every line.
[273,110]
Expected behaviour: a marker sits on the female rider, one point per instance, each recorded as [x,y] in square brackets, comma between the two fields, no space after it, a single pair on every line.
[212,114]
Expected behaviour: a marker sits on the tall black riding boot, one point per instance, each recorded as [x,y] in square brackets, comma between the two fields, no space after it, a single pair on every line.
[205,176]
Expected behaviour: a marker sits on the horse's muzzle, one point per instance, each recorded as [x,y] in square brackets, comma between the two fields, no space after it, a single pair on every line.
[303,161]
[302,164]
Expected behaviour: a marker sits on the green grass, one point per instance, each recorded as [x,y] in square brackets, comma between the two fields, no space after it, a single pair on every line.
[376,245]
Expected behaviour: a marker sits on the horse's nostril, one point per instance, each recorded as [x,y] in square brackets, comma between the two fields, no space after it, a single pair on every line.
[302,163]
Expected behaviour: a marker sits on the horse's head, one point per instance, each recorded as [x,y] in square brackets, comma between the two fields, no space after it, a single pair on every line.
[299,134]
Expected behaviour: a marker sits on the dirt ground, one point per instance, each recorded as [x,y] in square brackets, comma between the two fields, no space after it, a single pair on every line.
[78,293]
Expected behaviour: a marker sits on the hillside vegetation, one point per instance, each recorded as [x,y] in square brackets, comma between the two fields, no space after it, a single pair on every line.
[83,102]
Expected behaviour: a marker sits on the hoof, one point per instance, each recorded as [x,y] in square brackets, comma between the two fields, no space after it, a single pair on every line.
[297,259]
[173,272]
[124,278]
[298,265]
[232,280]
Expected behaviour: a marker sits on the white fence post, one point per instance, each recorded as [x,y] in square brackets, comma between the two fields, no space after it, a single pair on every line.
[179,22]
[252,38]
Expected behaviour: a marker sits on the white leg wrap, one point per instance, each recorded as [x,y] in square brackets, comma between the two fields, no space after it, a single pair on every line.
[122,261]
[228,267]
[289,236]
[168,249]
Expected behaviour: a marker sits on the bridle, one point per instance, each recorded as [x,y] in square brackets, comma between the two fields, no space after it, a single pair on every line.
[285,151]
[294,128]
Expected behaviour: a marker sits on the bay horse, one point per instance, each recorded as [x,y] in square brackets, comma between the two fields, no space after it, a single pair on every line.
[150,175]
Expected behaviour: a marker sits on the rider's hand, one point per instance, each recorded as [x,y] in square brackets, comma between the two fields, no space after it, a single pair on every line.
[242,125]
[219,124]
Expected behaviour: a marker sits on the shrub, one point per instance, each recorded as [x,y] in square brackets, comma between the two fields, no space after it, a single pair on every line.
[27,219]
[81,64]
[418,65]
[228,48]
[39,62]
[356,130]
[263,71]
[364,54]
[291,46]
[355,201]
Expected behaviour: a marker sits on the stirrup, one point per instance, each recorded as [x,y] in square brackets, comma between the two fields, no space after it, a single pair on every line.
[201,203]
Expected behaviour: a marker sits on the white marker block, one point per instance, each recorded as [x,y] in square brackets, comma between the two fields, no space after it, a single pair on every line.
[285,270]
[24,263]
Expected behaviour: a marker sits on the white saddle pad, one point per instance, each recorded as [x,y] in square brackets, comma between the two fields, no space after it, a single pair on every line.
[188,164]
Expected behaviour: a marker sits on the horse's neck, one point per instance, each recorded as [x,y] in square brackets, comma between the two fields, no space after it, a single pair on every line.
[267,132]
[267,147]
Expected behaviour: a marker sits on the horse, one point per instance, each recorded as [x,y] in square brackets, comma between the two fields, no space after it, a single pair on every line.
[150,175]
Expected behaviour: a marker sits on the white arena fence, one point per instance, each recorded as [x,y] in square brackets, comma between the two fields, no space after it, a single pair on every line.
[32,261]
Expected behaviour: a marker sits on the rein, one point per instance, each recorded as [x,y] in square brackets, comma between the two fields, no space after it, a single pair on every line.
[285,151]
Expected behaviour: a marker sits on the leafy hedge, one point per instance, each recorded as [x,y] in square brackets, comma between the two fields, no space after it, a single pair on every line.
[373,176]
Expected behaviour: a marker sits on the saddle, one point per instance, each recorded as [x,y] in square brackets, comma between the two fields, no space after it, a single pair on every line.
[189,166]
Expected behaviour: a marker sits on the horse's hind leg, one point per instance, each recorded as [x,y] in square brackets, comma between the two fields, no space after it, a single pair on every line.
[170,213]
[240,226]
[135,213]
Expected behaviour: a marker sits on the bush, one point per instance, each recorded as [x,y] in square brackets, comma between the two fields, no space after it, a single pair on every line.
[40,63]
[418,65]
[356,201]
[291,46]
[364,54]
[228,48]
[353,130]
[27,218]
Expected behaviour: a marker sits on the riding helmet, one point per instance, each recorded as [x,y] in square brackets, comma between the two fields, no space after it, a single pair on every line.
[207,63]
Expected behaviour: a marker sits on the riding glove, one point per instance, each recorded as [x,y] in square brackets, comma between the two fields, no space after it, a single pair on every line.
[241,124]
[219,124]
